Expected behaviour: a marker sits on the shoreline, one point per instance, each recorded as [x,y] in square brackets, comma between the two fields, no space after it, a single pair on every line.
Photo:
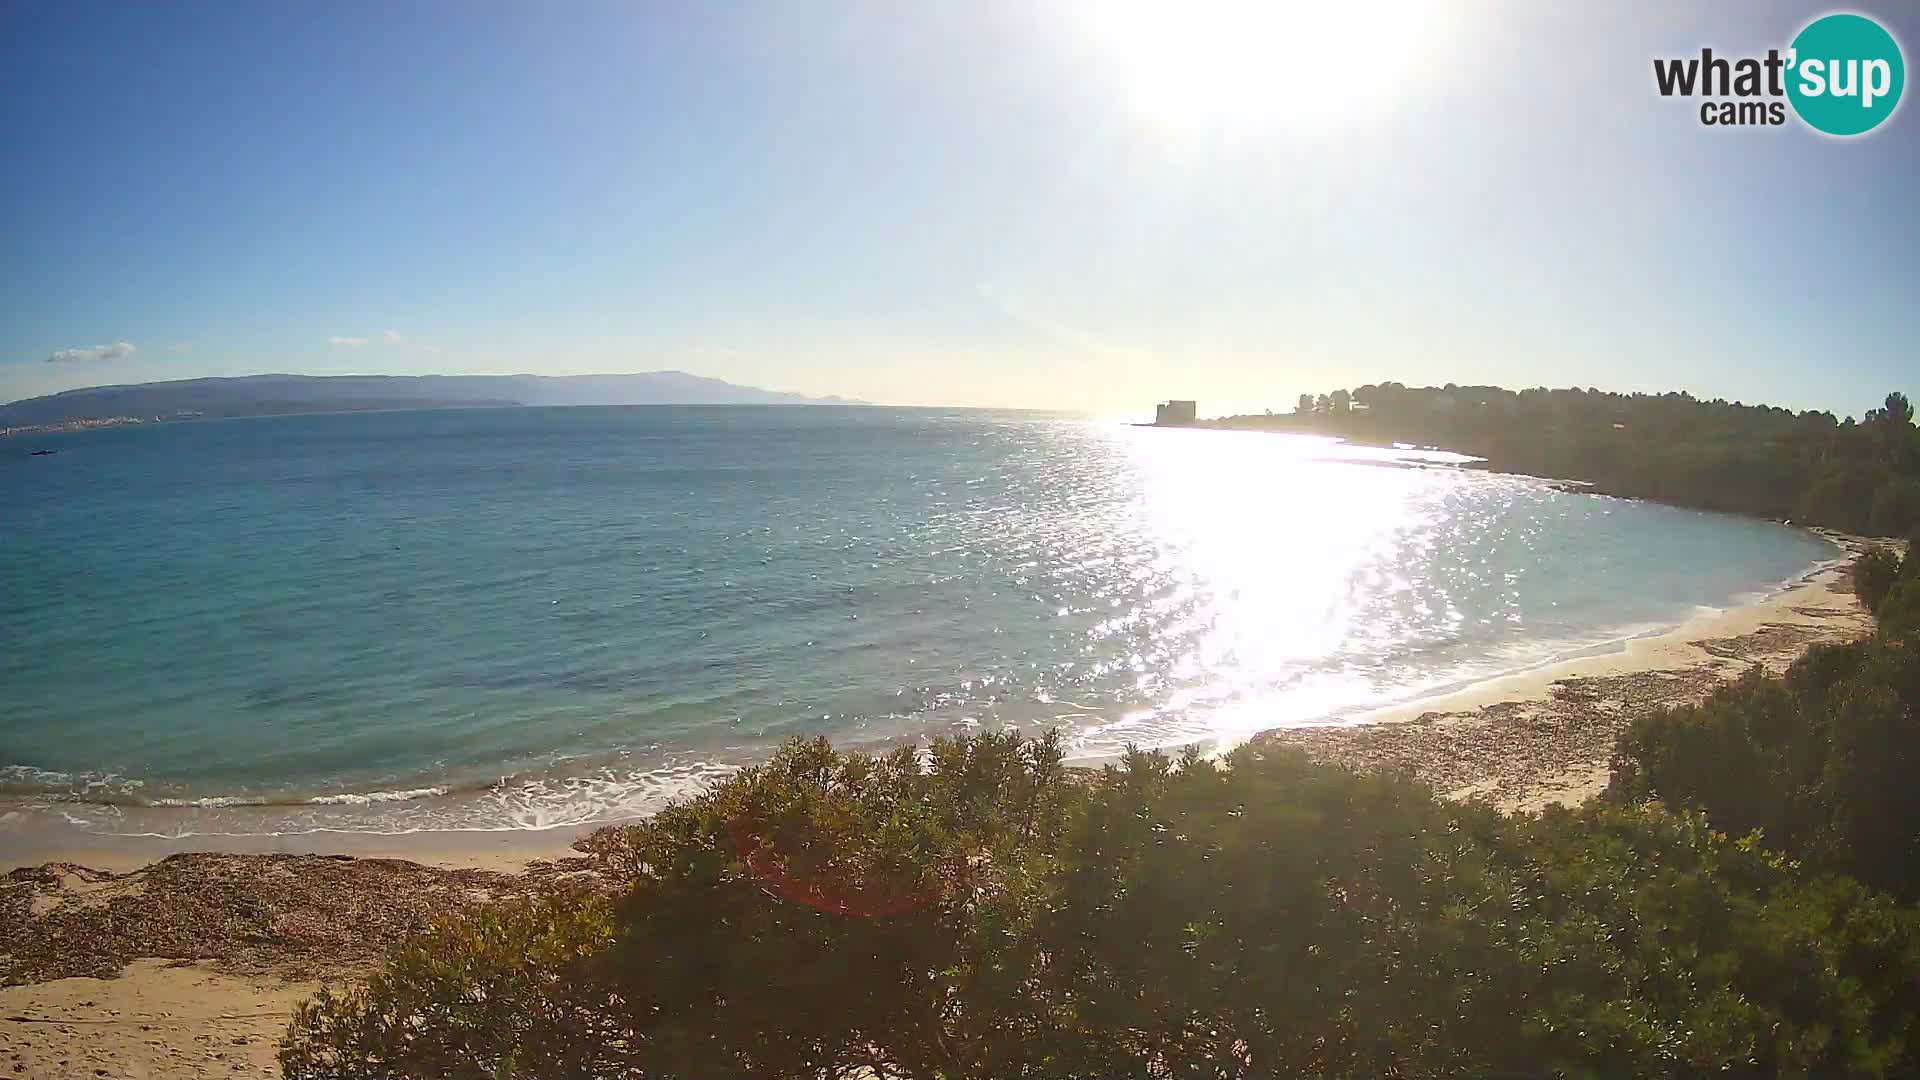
[1545,736]
[32,835]
[146,956]
[1474,462]
[37,841]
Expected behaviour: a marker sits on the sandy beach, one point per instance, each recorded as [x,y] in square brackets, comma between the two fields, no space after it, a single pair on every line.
[113,964]
[1545,736]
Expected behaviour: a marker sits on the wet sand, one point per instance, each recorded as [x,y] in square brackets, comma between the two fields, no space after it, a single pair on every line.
[114,965]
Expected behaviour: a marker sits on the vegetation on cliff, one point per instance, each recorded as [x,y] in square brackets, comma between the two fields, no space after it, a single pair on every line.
[1810,467]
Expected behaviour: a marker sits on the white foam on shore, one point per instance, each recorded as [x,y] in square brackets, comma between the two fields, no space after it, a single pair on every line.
[511,805]
[107,805]
[209,802]
[371,797]
[345,798]
[32,780]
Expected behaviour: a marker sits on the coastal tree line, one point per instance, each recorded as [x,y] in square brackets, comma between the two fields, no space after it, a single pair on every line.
[1810,467]
[1742,901]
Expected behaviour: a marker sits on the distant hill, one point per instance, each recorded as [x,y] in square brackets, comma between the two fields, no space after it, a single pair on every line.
[275,395]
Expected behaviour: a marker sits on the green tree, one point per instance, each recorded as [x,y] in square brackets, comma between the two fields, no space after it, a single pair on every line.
[1874,573]
[1717,455]
[1824,762]
[1900,613]
[1895,414]
[1896,506]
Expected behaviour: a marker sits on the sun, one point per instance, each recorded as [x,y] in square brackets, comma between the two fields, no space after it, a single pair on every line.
[1246,68]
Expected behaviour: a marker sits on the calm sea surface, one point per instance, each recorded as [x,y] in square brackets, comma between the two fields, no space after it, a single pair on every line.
[532,617]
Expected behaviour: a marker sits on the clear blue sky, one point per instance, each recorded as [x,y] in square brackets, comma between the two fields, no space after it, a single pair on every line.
[981,203]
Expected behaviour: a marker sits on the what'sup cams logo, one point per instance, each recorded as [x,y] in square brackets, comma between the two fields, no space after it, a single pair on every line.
[1843,75]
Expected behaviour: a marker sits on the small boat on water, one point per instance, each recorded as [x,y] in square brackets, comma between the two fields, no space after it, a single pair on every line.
[44,453]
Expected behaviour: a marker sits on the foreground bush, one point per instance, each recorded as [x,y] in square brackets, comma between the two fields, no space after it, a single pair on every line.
[518,989]
[805,918]
[1278,918]
[1874,573]
[1823,762]
[980,914]
[1900,611]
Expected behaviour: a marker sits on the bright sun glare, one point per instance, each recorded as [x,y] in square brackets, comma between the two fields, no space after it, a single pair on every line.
[1242,68]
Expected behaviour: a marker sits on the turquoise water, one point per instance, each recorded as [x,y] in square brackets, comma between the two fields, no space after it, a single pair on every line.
[530,617]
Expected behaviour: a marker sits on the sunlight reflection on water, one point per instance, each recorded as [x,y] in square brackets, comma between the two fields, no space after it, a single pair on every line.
[1289,553]
[556,616]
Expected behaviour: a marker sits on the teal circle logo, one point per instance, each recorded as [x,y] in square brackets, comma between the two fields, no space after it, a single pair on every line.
[1845,74]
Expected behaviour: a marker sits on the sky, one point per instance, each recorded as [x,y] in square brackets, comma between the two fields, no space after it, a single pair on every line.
[1082,204]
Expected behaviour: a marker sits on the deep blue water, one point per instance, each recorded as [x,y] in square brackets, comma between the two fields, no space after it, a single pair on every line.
[560,615]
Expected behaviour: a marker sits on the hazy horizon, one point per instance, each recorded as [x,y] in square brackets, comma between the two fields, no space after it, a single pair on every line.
[413,375]
[1083,206]
[1143,408]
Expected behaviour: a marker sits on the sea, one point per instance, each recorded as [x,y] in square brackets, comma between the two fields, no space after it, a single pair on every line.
[530,618]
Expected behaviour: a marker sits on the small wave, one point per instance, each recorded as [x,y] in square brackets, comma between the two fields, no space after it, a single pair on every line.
[210,802]
[609,795]
[98,787]
[112,789]
[1793,581]
[28,776]
[371,797]
[345,798]
[511,804]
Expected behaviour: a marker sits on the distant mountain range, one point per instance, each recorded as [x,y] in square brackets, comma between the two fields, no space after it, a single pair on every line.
[277,395]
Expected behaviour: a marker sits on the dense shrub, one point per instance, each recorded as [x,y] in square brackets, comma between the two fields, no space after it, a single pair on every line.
[1900,611]
[520,989]
[801,919]
[1278,918]
[1824,761]
[1841,496]
[976,912]
[1896,506]
[1874,572]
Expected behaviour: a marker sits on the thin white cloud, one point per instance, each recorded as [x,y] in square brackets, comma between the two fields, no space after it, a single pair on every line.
[347,342]
[99,352]
[392,337]
[1014,307]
